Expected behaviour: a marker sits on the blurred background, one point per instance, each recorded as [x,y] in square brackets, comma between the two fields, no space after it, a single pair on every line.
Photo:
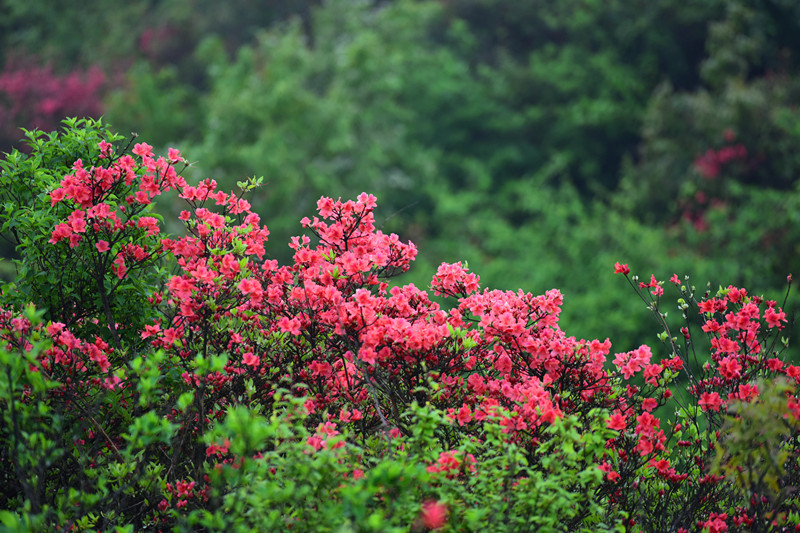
[539,140]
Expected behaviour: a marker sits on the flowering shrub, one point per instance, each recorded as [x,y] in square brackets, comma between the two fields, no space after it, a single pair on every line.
[197,383]
[721,397]
[61,206]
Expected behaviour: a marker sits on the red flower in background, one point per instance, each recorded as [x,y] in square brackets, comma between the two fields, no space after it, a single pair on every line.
[711,163]
[34,96]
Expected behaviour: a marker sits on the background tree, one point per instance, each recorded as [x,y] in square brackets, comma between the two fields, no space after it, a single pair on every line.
[532,139]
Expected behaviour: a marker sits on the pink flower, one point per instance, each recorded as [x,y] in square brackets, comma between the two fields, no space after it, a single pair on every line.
[793,372]
[57,195]
[112,382]
[102,246]
[616,422]
[657,291]
[249,359]
[142,197]
[77,221]
[454,279]
[106,149]
[503,363]
[708,164]
[648,404]
[774,364]
[716,523]
[651,373]
[290,325]
[710,401]
[747,392]
[119,267]
[464,415]
[434,514]
[148,223]
[143,149]
[150,331]
[610,474]
[730,368]
[218,449]
[711,306]
[631,362]
[774,318]
[621,269]
[365,353]
[367,200]
[320,368]
[252,288]
[325,207]
[735,295]
[62,231]
[174,155]
[476,383]
[185,488]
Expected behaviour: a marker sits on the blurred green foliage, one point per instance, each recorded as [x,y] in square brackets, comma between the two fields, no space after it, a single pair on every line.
[540,141]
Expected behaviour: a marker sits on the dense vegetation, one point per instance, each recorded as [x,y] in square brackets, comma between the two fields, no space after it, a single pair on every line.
[191,383]
[538,142]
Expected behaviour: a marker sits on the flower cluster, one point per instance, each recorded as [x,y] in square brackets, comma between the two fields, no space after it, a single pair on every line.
[710,164]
